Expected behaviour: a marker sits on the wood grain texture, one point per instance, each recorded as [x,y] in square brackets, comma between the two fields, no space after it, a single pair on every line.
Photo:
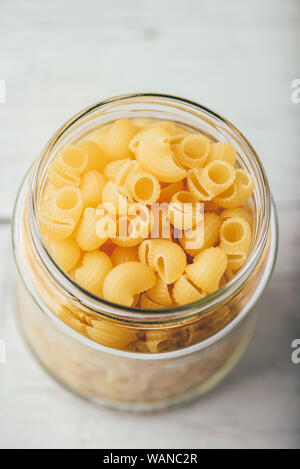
[238,58]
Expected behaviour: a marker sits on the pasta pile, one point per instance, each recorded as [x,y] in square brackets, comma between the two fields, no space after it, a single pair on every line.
[130,165]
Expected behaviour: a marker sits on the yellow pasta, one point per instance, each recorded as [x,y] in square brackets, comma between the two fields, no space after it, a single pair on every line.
[165,257]
[238,193]
[117,139]
[195,186]
[55,229]
[123,254]
[110,335]
[185,292]
[65,252]
[238,212]
[86,235]
[192,151]
[184,210]
[93,271]
[222,151]
[118,170]
[70,161]
[116,198]
[96,158]
[127,280]
[155,155]
[207,269]
[143,187]
[160,293]
[92,186]
[207,238]
[216,177]
[60,180]
[169,190]
[67,204]
[235,236]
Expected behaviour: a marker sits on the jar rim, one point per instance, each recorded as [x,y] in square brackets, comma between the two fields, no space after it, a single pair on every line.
[129,314]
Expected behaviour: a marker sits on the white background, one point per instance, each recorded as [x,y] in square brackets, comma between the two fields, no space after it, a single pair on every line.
[237,57]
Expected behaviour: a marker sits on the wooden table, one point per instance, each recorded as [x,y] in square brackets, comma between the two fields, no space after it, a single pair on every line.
[238,58]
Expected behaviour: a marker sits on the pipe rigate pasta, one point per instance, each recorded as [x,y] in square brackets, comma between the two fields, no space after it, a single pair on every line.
[155,155]
[92,184]
[222,151]
[124,254]
[96,158]
[207,269]
[185,292]
[86,235]
[93,271]
[235,236]
[127,280]
[160,292]
[202,236]
[65,252]
[192,151]
[117,139]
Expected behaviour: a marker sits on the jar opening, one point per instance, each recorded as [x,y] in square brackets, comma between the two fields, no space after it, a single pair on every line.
[187,114]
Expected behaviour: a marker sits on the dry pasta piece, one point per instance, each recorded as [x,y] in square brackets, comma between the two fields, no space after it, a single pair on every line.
[123,254]
[185,211]
[92,186]
[194,241]
[67,204]
[195,187]
[168,191]
[110,335]
[55,229]
[91,274]
[192,151]
[127,280]
[207,269]
[70,161]
[65,252]
[147,303]
[60,180]
[222,151]
[238,212]
[160,293]
[238,193]
[153,151]
[116,198]
[118,170]
[185,292]
[143,187]
[216,177]
[96,158]
[117,139]
[159,340]
[165,257]
[86,235]
[235,236]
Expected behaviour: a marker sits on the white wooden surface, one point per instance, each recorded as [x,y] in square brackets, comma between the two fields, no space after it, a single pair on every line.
[238,58]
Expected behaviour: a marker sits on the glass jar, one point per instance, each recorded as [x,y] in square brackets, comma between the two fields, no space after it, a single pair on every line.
[98,349]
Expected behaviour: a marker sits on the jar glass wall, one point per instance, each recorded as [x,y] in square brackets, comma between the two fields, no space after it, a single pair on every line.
[98,349]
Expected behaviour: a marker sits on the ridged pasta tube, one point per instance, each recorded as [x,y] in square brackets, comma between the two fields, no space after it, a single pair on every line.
[91,275]
[155,155]
[207,269]
[127,280]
